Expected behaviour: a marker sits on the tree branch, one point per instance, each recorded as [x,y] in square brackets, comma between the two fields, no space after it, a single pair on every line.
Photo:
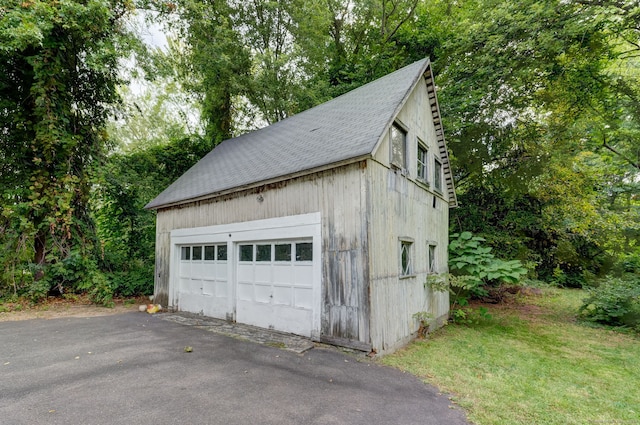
[607,146]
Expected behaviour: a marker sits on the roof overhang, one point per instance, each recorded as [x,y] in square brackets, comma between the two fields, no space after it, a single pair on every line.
[261,183]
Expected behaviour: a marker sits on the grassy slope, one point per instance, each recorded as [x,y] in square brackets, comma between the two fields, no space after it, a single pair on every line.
[532,364]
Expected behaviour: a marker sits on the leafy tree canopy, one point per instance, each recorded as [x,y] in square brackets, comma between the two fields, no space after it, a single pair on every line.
[58,77]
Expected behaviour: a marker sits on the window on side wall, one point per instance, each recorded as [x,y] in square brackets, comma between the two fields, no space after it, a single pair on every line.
[406,258]
[398,138]
[422,162]
[437,174]
[432,258]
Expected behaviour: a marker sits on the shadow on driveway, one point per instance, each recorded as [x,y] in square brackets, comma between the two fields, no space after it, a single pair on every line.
[132,369]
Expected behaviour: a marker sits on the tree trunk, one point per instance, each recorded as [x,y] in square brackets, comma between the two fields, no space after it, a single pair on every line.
[39,246]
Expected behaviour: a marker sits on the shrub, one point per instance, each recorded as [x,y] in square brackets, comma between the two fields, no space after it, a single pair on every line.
[99,289]
[137,279]
[616,302]
[473,268]
[467,257]
[459,288]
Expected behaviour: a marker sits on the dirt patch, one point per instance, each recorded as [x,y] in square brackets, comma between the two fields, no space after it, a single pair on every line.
[525,304]
[55,308]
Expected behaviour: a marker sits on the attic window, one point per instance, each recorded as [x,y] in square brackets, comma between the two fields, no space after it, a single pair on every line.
[437,175]
[422,162]
[398,138]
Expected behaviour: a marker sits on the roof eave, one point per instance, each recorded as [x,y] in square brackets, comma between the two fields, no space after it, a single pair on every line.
[442,143]
[260,183]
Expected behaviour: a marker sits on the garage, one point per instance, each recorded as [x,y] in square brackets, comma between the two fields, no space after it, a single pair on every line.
[264,273]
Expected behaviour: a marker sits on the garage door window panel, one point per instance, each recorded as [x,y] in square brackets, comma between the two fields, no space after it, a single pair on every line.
[185,253]
[263,253]
[246,252]
[221,253]
[283,252]
[304,251]
[209,253]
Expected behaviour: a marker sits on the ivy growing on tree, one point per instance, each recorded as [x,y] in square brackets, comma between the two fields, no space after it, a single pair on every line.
[58,77]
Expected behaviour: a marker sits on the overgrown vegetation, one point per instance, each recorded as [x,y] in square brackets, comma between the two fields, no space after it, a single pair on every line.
[532,363]
[475,272]
[614,301]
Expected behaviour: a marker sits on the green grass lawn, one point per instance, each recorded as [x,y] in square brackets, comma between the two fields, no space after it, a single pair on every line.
[531,363]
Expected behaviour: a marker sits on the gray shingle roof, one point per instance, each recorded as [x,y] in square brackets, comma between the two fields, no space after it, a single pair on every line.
[342,129]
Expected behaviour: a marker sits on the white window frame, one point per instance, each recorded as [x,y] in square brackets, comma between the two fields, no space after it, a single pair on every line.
[422,161]
[437,174]
[406,246]
[400,163]
[432,250]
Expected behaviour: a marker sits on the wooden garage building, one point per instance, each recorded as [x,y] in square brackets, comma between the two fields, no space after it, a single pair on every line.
[325,224]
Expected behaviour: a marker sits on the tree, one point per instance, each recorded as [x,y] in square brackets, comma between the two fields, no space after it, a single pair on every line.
[258,62]
[128,181]
[58,77]
[540,102]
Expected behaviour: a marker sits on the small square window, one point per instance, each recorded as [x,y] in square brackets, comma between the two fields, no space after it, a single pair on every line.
[196,253]
[406,266]
[398,137]
[304,251]
[422,162]
[209,253]
[263,252]
[432,258]
[437,174]
[185,253]
[222,253]
[283,252]
[246,252]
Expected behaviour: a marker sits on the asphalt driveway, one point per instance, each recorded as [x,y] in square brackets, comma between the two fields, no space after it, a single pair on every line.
[132,369]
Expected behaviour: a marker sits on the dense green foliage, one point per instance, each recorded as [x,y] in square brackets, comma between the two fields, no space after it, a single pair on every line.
[474,271]
[535,114]
[58,79]
[126,230]
[468,257]
[615,301]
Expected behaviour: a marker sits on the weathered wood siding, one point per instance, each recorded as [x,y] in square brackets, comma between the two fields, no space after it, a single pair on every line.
[403,207]
[339,196]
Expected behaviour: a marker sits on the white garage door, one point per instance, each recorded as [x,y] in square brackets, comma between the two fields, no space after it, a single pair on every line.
[264,272]
[275,285]
[204,287]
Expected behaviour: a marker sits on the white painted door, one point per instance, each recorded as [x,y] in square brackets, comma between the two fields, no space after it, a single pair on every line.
[275,285]
[203,283]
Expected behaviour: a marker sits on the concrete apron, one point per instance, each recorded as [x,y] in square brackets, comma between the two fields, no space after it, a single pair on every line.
[255,334]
